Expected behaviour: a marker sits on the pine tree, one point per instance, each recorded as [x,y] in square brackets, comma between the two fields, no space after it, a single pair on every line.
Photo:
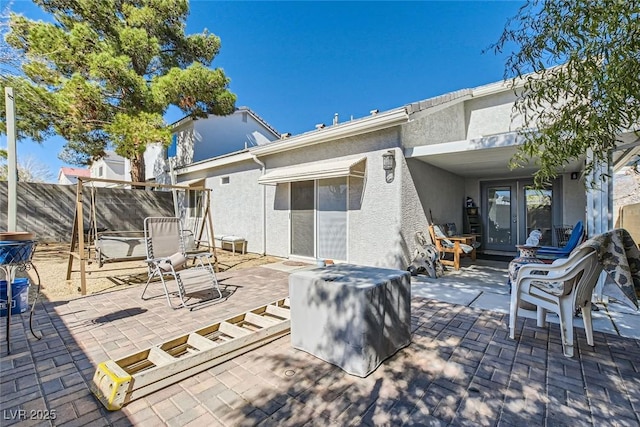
[103,73]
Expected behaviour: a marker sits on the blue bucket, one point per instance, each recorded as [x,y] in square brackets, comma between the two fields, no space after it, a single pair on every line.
[19,296]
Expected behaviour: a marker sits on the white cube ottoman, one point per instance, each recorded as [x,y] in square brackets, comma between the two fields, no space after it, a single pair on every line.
[352,316]
[233,241]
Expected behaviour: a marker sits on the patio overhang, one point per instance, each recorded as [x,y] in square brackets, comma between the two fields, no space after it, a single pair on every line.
[316,170]
[484,157]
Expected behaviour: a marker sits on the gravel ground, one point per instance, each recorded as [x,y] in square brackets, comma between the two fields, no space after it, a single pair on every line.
[51,262]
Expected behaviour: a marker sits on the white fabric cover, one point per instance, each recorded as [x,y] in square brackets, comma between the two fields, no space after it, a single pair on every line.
[177,260]
[352,316]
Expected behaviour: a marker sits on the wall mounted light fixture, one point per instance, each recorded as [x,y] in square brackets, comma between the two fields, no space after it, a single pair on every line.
[389,160]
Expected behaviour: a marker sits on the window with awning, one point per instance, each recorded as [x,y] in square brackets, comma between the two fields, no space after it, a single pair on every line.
[316,170]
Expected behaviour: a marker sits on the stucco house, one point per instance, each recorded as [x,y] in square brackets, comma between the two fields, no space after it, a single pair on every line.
[69,176]
[195,140]
[359,191]
[111,166]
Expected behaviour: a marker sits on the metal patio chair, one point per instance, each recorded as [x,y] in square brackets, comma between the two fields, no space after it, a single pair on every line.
[168,259]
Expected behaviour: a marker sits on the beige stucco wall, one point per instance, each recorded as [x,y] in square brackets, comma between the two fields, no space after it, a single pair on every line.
[374,223]
[434,127]
[236,207]
[375,228]
[489,115]
[413,215]
[439,191]
[574,200]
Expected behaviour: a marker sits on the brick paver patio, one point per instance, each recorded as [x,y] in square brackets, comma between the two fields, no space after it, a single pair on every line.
[461,369]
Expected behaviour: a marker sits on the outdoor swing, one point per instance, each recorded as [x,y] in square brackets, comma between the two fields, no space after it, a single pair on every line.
[120,246]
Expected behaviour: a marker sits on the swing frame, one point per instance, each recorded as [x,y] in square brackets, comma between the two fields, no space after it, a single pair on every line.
[77,232]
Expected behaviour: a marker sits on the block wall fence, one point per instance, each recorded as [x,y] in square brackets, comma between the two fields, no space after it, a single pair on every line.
[48,209]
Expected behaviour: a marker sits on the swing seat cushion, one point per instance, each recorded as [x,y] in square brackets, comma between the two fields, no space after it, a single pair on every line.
[121,245]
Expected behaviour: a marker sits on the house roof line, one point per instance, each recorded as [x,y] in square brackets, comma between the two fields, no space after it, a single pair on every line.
[356,127]
[425,104]
[375,122]
[222,160]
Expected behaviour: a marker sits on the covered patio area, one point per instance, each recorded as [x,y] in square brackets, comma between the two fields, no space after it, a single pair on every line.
[460,369]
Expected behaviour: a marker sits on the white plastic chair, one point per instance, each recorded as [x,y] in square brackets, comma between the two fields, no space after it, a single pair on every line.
[167,255]
[560,287]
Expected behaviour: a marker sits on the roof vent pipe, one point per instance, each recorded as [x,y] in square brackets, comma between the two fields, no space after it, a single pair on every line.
[335,119]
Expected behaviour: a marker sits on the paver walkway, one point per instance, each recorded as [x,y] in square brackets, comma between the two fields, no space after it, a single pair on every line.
[461,369]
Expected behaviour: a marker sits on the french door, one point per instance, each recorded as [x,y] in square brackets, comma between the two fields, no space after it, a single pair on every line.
[500,216]
[512,209]
[319,218]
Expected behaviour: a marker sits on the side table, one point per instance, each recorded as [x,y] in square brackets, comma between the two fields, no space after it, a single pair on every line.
[16,255]
[528,255]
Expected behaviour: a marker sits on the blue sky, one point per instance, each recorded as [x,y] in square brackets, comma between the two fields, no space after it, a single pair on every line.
[296,64]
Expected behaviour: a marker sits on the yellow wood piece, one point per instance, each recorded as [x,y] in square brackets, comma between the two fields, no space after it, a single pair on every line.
[111,385]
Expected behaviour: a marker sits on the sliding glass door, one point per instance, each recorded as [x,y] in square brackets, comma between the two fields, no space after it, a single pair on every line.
[319,218]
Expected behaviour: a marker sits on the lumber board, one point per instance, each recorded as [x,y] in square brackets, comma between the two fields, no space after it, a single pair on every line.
[159,357]
[157,373]
[233,330]
[151,376]
[117,382]
[200,342]
[278,311]
[179,376]
[261,321]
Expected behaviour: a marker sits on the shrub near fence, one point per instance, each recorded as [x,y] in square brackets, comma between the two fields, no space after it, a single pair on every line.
[48,209]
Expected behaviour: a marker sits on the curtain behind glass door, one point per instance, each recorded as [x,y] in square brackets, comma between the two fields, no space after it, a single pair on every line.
[332,218]
[539,214]
[302,218]
[501,220]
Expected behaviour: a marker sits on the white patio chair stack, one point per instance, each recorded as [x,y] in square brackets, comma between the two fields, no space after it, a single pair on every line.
[561,287]
[167,259]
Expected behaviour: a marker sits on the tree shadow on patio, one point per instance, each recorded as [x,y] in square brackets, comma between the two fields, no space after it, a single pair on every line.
[120,314]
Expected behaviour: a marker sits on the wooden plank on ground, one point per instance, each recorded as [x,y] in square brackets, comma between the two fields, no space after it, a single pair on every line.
[117,382]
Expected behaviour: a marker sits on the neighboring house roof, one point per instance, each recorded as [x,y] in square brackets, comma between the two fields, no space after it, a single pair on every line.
[112,157]
[75,172]
[259,119]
